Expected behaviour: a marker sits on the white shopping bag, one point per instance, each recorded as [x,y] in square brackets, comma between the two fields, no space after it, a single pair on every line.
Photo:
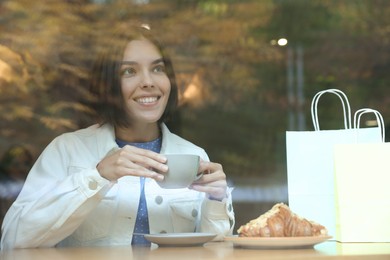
[362,192]
[310,167]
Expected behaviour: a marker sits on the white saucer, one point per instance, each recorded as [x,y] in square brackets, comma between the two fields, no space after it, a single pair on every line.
[180,239]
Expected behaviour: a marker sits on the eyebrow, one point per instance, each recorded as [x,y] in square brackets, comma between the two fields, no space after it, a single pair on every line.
[125,62]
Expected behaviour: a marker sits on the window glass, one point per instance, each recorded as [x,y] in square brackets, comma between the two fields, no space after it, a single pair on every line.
[247,71]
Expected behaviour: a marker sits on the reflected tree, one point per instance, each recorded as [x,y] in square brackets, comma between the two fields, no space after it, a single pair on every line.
[233,81]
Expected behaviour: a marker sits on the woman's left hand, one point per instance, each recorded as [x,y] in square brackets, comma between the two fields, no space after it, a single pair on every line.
[213,181]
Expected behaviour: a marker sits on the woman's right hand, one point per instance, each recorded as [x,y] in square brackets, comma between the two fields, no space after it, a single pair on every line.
[132,161]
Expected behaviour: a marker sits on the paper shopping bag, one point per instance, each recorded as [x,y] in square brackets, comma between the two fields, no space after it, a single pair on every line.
[362,192]
[310,164]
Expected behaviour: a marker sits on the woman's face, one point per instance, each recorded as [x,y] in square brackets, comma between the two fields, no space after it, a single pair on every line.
[145,85]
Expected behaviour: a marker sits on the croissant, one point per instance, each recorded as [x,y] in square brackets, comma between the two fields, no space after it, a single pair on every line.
[280,221]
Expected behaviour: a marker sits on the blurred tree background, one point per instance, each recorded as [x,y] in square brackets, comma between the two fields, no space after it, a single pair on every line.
[240,89]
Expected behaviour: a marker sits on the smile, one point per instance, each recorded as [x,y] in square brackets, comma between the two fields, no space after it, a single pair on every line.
[146,100]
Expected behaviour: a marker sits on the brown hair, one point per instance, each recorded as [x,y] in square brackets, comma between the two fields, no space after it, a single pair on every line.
[105,85]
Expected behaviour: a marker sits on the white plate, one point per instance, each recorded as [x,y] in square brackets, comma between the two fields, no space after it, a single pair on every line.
[180,239]
[276,242]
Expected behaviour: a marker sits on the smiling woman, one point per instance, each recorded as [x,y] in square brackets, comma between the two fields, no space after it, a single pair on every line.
[121,57]
[98,185]
[145,85]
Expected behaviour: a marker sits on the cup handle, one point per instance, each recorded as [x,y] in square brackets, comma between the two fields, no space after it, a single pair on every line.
[198,176]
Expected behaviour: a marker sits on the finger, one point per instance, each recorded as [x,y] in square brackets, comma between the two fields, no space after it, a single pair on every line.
[209,167]
[213,191]
[212,177]
[215,184]
[145,153]
[143,172]
[128,167]
[145,158]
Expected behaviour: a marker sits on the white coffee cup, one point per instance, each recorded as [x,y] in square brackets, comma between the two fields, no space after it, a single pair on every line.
[182,171]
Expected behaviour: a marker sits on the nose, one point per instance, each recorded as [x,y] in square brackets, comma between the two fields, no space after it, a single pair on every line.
[146,80]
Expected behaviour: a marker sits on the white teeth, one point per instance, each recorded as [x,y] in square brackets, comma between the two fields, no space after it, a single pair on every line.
[146,100]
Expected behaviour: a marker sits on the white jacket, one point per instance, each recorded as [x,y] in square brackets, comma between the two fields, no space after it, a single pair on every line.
[65,202]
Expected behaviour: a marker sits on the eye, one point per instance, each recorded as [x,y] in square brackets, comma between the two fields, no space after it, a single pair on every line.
[159,68]
[127,72]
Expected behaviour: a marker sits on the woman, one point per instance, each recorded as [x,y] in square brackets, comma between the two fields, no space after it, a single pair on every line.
[98,186]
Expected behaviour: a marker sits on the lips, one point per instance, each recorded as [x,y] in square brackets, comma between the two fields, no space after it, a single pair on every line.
[147,100]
